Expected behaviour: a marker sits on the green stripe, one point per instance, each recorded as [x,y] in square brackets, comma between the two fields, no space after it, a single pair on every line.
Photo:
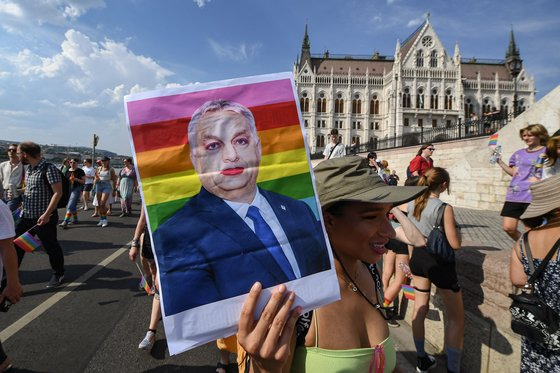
[297,187]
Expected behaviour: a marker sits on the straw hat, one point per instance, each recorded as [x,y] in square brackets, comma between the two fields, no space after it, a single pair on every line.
[546,197]
[350,179]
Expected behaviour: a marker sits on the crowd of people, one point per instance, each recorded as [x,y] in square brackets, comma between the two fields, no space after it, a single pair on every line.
[381,235]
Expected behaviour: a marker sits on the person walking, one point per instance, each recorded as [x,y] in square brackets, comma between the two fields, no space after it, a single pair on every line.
[524,167]
[428,268]
[105,186]
[12,178]
[543,217]
[13,290]
[77,178]
[127,185]
[43,190]
[89,171]
[422,161]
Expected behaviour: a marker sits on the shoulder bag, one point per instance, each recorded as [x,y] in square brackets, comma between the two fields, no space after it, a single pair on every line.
[437,243]
[530,316]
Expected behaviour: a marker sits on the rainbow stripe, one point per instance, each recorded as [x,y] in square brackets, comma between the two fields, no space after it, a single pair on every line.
[493,140]
[408,292]
[144,285]
[28,242]
[158,124]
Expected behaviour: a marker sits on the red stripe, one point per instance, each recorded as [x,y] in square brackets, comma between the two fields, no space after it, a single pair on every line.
[159,135]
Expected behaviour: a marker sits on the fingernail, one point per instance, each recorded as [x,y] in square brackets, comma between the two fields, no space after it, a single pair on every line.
[298,310]
[292,296]
[256,286]
[281,288]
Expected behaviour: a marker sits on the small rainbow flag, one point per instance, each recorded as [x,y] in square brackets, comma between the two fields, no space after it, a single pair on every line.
[144,285]
[28,242]
[408,292]
[493,140]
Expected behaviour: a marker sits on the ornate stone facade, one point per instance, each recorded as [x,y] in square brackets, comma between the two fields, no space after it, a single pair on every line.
[374,97]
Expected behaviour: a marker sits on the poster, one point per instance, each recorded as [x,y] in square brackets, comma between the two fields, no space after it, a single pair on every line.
[226,179]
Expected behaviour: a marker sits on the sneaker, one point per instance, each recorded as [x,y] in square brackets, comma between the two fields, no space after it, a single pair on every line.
[425,363]
[393,323]
[104,224]
[64,223]
[55,281]
[100,223]
[85,208]
[122,215]
[94,215]
[148,341]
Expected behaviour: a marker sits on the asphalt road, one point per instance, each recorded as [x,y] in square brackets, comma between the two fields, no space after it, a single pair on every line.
[95,321]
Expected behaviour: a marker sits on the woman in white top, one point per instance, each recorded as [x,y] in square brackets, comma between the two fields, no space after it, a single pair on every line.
[105,184]
[90,176]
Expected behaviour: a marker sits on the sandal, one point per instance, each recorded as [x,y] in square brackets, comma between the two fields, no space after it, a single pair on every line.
[221,368]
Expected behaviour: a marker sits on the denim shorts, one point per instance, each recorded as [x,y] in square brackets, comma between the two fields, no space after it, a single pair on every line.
[104,187]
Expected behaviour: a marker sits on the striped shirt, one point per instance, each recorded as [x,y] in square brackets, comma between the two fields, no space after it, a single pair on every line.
[37,192]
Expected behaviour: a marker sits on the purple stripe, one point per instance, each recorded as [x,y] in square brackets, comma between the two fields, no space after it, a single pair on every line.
[164,108]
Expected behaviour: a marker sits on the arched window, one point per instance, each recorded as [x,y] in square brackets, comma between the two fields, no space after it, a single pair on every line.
[521,107]
[486,106]
[434,99]
[406,98]
[433,59]
[504,107]
[304,103]
[320,143]
[420,58]
[339,104]
[420,98]
[448,100]
[356,105]
[374,105]
[321,103]
[469,108]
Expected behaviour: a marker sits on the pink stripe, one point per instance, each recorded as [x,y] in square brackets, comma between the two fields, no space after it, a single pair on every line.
[164,108]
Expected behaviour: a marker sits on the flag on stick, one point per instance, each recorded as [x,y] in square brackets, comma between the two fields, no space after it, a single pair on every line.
[493,140]
[17,215]
[408,291]
[143,282]
[28,242]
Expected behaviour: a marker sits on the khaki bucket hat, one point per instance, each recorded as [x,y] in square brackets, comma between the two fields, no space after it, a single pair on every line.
[351,179]
[546,197]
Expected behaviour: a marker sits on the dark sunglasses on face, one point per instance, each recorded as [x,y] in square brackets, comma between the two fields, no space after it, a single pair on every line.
[432,149]
[12,150]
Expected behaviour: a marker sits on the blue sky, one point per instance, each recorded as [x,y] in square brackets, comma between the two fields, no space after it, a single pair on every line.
[65,65]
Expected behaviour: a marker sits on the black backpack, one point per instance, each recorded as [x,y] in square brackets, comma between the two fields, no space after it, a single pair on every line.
[63,201]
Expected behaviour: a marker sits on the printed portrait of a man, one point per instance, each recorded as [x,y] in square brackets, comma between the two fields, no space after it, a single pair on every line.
[233,232]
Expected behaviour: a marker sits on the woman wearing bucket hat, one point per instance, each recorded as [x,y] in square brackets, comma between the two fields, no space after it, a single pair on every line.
[543,215]
[351,334]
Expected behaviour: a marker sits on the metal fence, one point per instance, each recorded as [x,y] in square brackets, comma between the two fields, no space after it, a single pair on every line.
[485,126]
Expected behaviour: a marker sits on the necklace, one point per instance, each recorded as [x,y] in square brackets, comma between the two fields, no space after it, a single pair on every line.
[350,283]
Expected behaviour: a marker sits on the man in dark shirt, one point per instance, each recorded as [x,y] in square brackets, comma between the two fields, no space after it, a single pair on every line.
[42,192]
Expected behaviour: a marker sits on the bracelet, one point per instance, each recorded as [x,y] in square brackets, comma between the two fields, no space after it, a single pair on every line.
[134,242]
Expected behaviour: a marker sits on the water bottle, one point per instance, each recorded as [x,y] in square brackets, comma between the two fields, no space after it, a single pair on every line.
[496,154]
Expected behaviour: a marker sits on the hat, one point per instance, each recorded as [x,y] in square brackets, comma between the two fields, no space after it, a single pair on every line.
[546,197]
[350,179]
[105,158]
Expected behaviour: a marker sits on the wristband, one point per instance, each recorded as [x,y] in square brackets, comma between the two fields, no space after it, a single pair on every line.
[134,242]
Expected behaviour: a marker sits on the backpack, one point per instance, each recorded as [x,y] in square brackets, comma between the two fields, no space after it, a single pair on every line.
[408,173]
[437,243]
[392,180]
[63,201]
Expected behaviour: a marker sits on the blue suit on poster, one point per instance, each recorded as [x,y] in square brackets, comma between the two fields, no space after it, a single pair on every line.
[207,253]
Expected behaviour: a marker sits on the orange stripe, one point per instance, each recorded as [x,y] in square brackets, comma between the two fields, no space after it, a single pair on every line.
[176,158]
[158,135]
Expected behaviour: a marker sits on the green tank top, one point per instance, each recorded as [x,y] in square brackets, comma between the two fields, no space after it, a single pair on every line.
[381,358]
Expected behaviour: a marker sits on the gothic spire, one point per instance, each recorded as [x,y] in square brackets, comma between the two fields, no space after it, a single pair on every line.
[512,51]
[305,49]
[305,44]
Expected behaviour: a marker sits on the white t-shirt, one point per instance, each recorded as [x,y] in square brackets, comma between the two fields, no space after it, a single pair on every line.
[7,229]
[89,171]
[339,150]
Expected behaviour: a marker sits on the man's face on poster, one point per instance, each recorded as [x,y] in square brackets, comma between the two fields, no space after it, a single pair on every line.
[227,156]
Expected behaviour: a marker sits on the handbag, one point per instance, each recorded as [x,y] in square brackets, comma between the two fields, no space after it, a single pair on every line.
[437,243]
[530,316]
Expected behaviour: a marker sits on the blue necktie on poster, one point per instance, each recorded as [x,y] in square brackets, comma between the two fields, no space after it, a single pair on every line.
[267,237]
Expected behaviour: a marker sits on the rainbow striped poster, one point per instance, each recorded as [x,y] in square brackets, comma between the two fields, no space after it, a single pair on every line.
[226,179]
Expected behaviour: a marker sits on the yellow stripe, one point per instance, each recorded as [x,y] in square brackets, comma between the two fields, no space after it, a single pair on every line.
[166,188]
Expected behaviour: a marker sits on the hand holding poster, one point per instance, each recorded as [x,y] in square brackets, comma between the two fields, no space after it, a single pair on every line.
[225,175]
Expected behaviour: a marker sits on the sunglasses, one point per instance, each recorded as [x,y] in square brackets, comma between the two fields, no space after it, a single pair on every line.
[432,149]
[12,150]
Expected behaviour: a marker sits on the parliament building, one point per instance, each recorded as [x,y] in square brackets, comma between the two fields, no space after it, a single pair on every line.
[369,98]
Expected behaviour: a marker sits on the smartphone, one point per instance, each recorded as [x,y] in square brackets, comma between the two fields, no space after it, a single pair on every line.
[5,305]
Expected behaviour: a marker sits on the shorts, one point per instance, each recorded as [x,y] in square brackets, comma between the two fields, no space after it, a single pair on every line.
[146,251]
[398,247]
[514,209]
[104,187]
[441,274]
[88,187]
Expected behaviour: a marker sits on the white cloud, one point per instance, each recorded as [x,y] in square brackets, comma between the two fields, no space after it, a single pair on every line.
[239,53]
[89,104]
[55,12]
[415,22]
[11,9]
[201,3]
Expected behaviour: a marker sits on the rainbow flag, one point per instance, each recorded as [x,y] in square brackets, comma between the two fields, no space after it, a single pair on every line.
[493,140]
[158,124]
[408,291]
[28,242]
[144,285]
